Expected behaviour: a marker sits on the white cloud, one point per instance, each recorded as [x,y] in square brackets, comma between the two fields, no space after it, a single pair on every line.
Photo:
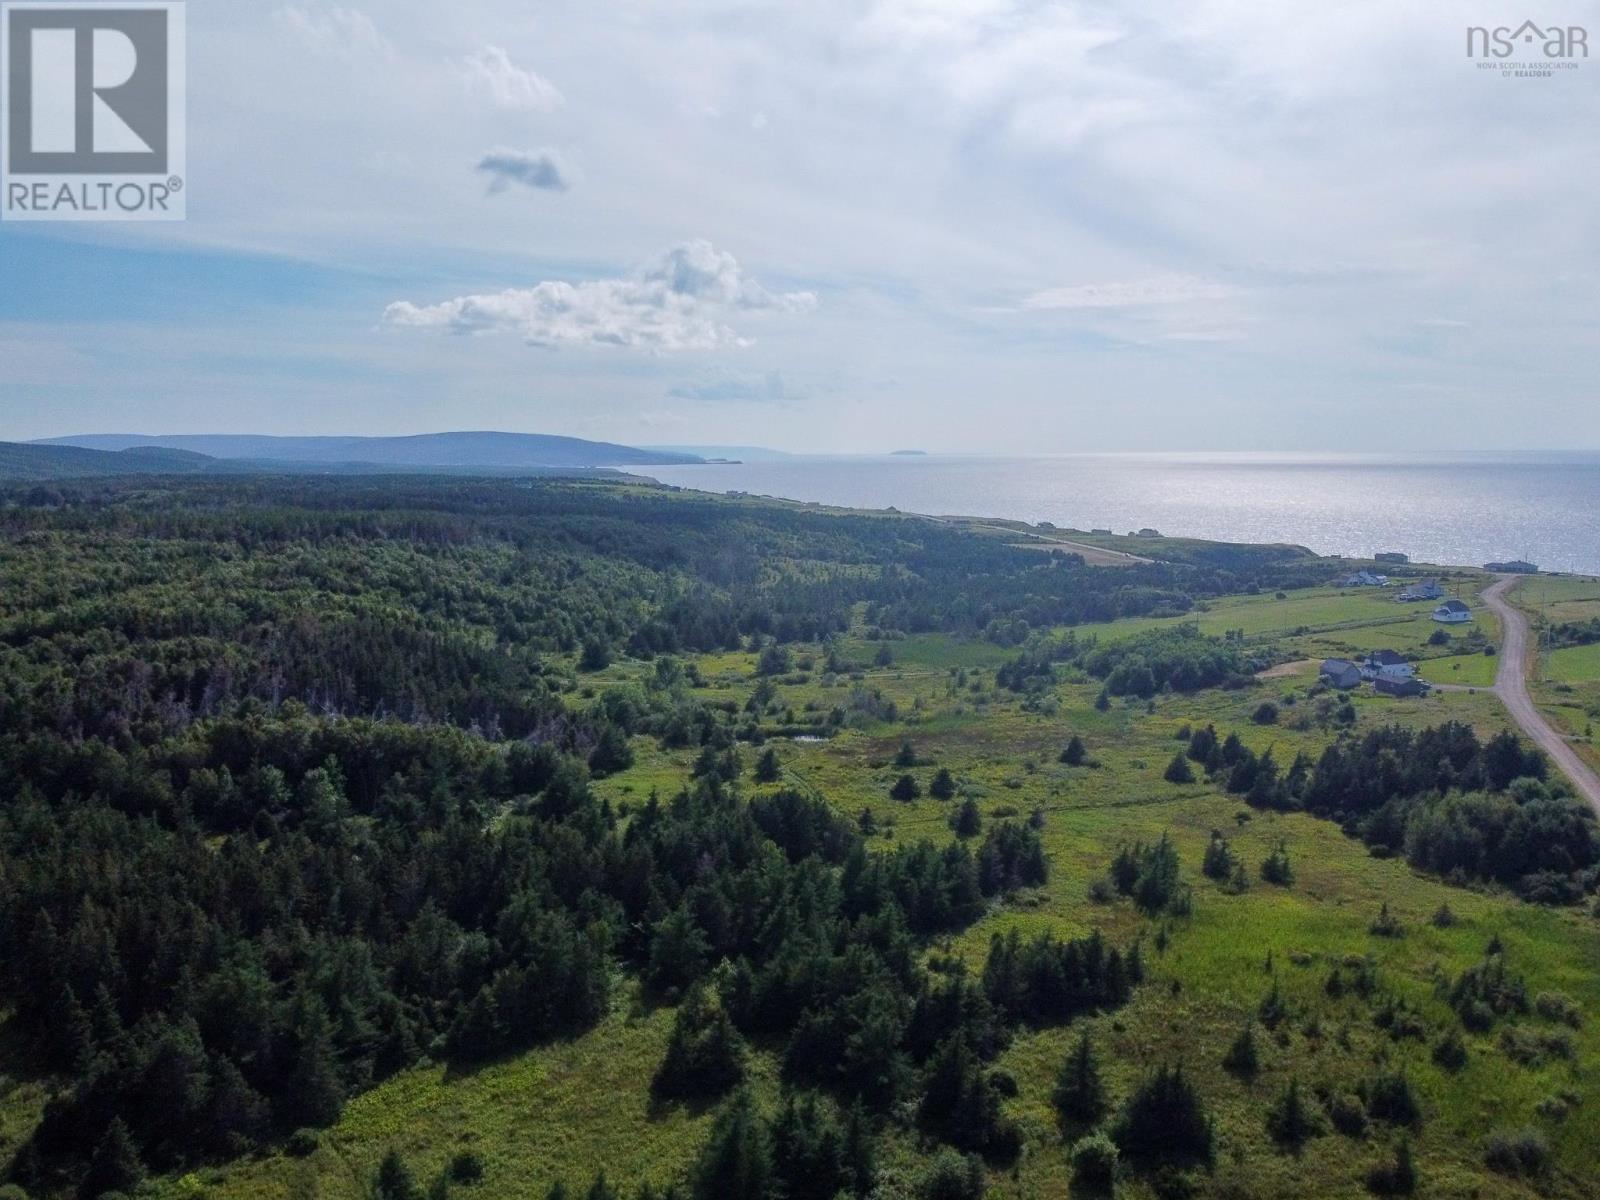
[539,169]
[335,30]
[1143,293]
[681,301]
[491,73]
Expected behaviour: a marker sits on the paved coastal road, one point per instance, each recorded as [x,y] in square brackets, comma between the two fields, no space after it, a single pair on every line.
[1511,685]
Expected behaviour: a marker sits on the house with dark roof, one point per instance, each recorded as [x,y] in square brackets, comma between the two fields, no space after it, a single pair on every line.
[1426,589]
[1453,612]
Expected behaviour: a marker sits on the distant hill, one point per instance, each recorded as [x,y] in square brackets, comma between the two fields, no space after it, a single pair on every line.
[487,450]
[20,461]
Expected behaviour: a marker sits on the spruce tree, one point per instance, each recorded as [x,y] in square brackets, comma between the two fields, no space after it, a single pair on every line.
[394,1180]
[115,1165]
[1178,770]
[1291,1121]
[768,769]
[1075,752]
[1244,1056]
[736,1162]
[1080,1094]
[943,786]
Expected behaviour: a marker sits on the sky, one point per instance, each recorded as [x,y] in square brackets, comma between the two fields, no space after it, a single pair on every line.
[967,226]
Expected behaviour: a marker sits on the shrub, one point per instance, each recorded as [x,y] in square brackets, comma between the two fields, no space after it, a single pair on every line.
[466,1166]
[1389,1097]
[1522,1152]
[1348,1114]
[952,1176]
[1558,1006]
[1450,1051]
[1094,1162]
[1398,1176]
[1075,752]
[1386,924]
[302,1143]
[1266,713]
[1291,1120]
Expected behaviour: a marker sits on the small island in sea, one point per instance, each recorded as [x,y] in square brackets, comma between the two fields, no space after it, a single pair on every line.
[909,453]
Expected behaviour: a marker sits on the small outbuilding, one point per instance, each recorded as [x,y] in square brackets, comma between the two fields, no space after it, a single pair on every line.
[1453,612]
[1340,673]
[1399,687]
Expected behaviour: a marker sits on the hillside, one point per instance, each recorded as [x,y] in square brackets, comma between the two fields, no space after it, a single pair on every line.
[27,461]
[482,449]
[389,837]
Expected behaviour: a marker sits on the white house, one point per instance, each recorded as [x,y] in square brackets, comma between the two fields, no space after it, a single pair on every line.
[1364,579]
[1453,612]
[1387,664]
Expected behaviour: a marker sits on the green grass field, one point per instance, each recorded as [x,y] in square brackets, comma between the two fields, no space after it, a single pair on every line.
[560,1111]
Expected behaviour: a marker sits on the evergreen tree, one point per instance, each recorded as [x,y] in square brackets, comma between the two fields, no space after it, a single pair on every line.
[1244,1056]
[611,753]
[966,820]
[705,1056]
[1219,862]
[1075,753]
[768,768]
[394,1180]
[736,1162]
[906,756]
[1080,1093]
[1291,1121]
[1275,868]
[943,786]
[678,951]
[1178,770]
[115,1165]
[905,788]
[1165,1122]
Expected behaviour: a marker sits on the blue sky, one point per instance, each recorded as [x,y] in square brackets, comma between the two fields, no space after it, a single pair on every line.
[1005,226]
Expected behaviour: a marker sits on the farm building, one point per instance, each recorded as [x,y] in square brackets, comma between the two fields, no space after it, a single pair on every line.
[1341,673]
[1400,687]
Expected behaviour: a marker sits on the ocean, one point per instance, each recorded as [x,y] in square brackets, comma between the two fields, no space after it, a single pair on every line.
[1465,509]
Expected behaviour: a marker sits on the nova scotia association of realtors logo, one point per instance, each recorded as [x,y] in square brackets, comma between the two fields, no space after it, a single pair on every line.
[1528,50]
[94,121]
